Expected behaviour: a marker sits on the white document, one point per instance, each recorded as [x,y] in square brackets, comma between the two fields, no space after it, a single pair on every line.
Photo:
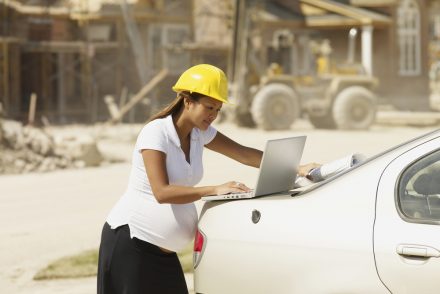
[330,169]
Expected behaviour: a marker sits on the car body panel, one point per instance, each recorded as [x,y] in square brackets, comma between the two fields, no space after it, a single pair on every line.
[286,254]
[320,241]
[404,274]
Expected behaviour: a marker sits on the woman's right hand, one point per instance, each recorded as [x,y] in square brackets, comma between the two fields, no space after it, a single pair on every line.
[231,187]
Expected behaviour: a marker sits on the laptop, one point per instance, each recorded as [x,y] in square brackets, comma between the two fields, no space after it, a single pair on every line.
[278,169]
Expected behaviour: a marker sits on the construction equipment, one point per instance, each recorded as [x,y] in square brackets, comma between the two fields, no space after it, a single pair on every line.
[269,97]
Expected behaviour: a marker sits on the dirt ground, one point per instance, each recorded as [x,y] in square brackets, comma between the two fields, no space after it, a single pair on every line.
[50,215]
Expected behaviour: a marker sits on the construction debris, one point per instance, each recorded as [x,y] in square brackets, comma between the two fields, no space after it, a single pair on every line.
[29,149]
[117,115]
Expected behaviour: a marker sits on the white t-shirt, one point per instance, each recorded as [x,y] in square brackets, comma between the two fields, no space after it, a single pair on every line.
[170,226]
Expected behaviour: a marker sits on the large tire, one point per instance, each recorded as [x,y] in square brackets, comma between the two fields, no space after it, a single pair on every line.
[323,122]
[354,108]
[275,107]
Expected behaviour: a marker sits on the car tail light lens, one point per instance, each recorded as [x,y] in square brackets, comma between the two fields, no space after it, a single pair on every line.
[199,243]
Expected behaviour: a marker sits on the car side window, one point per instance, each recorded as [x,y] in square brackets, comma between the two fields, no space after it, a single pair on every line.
[419,190]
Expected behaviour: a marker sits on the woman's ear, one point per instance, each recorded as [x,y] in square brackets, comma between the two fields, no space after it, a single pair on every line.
[187,102]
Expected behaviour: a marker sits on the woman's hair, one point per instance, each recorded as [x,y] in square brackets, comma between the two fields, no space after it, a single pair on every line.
[176,105]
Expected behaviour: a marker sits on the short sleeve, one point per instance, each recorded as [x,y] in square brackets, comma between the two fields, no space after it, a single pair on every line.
[152,136]
[208,135]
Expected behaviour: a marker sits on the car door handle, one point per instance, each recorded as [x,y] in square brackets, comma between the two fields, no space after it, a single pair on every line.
[417,250]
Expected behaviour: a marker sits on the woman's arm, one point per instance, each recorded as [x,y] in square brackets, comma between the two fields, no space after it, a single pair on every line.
[166,193]
[232,149]
[246,155]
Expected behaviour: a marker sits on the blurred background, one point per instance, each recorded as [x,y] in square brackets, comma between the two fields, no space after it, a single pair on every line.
[338,63]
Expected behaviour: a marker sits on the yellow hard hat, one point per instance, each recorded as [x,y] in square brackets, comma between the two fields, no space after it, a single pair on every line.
[205,79]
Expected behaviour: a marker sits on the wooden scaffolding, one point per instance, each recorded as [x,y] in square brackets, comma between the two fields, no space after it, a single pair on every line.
[72,60]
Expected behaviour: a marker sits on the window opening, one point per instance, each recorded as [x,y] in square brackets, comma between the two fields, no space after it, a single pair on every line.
[408,31]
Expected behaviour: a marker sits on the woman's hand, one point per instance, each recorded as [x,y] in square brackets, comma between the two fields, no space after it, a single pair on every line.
[306,168]
[231,187]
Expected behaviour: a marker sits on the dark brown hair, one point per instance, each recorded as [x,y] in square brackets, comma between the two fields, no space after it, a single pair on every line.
[176,105]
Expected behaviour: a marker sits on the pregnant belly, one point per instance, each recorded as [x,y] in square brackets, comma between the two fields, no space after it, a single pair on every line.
[170,226]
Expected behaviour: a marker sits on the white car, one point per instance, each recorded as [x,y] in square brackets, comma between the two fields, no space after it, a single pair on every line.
[372,229]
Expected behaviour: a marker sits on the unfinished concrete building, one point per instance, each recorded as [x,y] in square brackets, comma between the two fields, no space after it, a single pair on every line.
[71,54]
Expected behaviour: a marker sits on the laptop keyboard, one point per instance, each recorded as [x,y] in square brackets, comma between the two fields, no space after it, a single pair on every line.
[240,195]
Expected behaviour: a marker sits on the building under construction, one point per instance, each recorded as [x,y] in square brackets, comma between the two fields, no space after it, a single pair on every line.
[73,54]
[70,54]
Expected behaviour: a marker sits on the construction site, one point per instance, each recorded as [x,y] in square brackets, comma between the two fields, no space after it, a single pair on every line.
[80,78]
[64,62]
[334,63]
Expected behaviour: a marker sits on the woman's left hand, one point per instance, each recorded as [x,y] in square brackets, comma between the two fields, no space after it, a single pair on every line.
[306,168]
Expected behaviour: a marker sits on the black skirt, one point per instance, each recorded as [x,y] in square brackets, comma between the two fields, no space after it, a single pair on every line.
[131,266]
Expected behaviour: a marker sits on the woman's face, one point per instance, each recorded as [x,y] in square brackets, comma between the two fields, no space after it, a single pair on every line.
[204,111]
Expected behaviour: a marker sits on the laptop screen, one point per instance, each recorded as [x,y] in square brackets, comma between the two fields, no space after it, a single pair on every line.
[279,166]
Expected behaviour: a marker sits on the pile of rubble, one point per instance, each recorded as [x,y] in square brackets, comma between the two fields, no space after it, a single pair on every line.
[29,149]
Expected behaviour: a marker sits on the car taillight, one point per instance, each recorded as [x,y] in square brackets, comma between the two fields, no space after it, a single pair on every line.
[198,247]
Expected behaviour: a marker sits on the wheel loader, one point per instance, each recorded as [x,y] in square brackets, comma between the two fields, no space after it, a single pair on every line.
[331,95]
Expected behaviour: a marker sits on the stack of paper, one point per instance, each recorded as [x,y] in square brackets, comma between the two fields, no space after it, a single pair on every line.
[329,169]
